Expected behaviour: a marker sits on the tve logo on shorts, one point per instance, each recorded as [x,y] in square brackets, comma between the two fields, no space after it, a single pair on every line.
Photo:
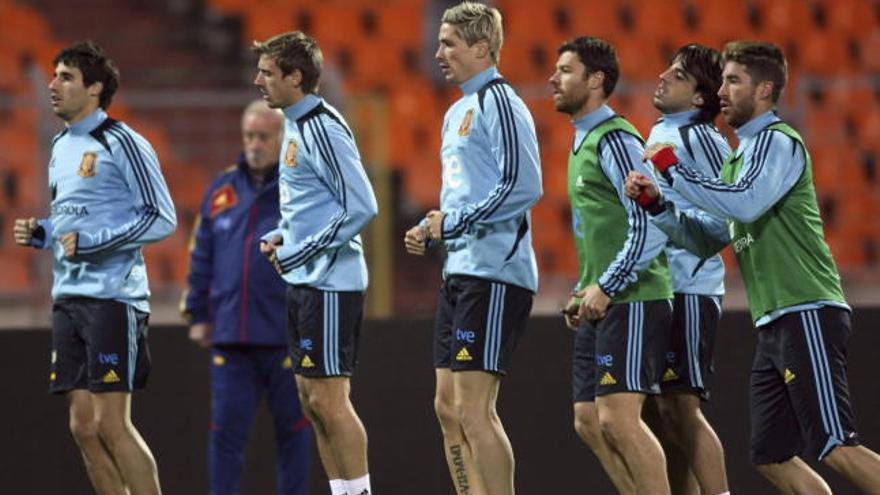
[111,358]
[606,360]
[305,344]
[463,335]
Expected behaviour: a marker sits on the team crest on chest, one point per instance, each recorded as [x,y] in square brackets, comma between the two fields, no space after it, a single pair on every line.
[87,165]
[465,128]
[290,155]
[222,199]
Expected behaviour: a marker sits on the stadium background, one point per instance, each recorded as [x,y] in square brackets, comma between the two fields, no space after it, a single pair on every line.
[186,72]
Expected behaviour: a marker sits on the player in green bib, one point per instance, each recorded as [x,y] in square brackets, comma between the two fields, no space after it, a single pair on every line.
[621,310]
[798,392]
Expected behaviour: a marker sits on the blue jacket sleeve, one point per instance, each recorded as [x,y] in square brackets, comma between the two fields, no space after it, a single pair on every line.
[695,230]
[621,153]
[773,164]
[154,217]
[338,164]
[514,145]
[196,297]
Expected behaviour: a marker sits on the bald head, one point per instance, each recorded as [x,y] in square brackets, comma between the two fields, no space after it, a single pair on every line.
[261,129]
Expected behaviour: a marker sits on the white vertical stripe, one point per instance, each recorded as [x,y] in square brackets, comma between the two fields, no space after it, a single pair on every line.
[132,344]
[817,374]
[828,378]
[502,292]
[326,333]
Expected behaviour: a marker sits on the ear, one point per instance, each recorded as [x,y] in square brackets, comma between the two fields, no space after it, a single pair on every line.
[481,49]
[296,77]
[95,89]
[697,100]
[765,90]
[596,80]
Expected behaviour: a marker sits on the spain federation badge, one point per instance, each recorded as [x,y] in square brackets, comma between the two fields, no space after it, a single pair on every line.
[465,128]
[290,156]
[87,165]
[222,199]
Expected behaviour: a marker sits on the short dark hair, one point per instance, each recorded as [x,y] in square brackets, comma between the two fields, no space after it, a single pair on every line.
[704,64]
[291,51]
[763,62]
[95,66]
[598,56]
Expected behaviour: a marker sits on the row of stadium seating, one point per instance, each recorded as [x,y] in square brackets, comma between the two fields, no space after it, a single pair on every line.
[383,49]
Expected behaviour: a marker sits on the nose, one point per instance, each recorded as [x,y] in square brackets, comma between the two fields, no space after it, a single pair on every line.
[439,53]
[258,79]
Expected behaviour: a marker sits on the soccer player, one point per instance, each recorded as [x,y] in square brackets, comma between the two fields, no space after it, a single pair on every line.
[232,305]
[621,309]
[491,179]
[687,96]
[326,201]
[798,392]
[108,200]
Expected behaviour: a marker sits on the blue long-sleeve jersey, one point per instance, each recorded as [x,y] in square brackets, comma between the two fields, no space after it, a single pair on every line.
[619,154]
[701,146]
[230,284]
[491,179]
[326,200]
[773,163]
[107,186]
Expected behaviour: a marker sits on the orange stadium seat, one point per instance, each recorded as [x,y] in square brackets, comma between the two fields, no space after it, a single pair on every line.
[723,20]
[851,16]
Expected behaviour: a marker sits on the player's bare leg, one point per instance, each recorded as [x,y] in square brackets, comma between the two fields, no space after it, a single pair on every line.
[459,457]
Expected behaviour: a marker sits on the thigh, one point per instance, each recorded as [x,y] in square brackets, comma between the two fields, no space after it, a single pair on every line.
[814,355]
[689,360]
[325,331]
[490,317]
[775,434]
[68,367]
[235,386]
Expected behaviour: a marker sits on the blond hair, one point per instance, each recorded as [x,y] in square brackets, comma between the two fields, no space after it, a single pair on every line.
[475,22]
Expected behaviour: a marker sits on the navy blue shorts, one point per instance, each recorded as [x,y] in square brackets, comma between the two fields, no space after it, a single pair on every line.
[478,323]
[99,345]
[798,393]
[691,351]
[324,328]
[622,352]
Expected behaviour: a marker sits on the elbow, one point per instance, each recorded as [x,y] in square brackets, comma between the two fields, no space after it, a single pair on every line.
[746,216]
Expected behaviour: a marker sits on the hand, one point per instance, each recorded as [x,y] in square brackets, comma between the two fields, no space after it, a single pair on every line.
[435,224]
[68,242]
[200,333]
[594,303]
[416,239]
[269,250]
[641,188]
[23,230]
[652,150]
[570,313]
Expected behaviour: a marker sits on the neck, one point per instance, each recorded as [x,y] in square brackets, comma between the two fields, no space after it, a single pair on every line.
[85,112]
[258,175]
[589,106]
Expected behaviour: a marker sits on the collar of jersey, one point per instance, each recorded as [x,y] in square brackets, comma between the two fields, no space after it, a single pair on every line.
[679,119]
[474,84]
[87,124]
[585,124]
[755,125]
[301,107]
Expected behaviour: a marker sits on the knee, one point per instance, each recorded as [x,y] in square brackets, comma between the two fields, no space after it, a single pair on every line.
[587,427]
[83,428]
[111,430]
[446,412]
[614,427]
[473,418]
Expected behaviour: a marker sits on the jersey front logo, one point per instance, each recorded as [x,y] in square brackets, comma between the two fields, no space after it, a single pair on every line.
[222,199]
[290,155]
[87,165]
[465,128]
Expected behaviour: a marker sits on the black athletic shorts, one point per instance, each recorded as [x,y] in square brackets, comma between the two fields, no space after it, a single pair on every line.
[478,323]
[99,345]
[324,328]
[691,352]
[798,393]
[622,352]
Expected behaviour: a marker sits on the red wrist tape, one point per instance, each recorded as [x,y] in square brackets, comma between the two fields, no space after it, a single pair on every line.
[664,159]
[644,200]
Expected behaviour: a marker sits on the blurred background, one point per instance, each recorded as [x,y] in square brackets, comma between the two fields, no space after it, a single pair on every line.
[187,70]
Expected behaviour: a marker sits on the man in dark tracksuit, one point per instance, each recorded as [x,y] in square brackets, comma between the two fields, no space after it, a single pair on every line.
[232,303]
